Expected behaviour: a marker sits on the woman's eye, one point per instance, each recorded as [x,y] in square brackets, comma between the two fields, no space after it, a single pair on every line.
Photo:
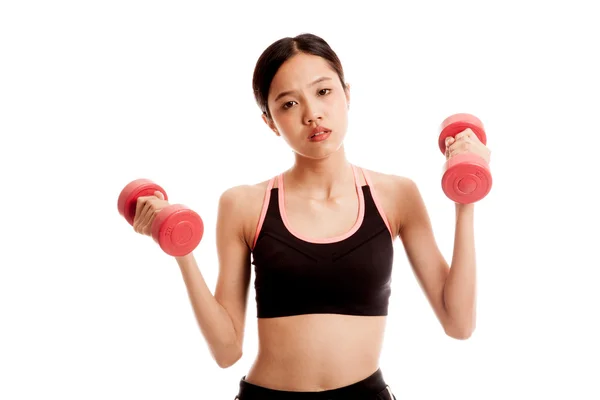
[323,92]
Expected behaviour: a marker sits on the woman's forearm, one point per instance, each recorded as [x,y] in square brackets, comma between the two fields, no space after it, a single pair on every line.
[460,287]
[214,321]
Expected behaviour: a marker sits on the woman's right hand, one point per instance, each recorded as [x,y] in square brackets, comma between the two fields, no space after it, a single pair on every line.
[147,207]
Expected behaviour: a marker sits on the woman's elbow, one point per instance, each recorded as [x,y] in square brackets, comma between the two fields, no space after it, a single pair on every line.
[228,358]
[460,333]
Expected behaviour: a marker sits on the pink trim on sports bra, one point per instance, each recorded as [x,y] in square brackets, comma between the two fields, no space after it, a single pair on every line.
[263,212]
[357,224]
[376,201]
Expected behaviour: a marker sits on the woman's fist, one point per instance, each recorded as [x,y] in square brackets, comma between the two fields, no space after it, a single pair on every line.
[147,207]
[466,142]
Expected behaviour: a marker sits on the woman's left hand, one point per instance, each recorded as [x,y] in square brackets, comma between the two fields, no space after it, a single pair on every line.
[466,142]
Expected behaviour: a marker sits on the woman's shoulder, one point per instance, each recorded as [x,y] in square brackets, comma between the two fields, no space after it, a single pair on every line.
[244,202]
[243,193]
[394,193]
[389,182]
[244,197]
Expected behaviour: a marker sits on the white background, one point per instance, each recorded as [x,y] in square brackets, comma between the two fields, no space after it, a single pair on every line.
[95,94]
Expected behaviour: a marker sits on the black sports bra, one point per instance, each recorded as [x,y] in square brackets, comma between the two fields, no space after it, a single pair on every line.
[349,274]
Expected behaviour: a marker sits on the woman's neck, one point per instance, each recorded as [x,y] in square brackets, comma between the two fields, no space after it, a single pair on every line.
[321,178]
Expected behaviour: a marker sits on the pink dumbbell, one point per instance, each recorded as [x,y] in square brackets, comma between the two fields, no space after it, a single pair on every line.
[176,228]
[467,177]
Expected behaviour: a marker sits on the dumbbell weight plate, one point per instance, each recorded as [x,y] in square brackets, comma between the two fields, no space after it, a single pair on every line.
[177,229]
[466,179]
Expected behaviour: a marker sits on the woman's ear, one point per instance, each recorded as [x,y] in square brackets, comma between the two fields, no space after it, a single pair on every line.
[270,123]
[347,91]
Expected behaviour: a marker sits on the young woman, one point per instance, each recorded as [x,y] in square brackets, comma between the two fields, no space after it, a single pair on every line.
[320,236]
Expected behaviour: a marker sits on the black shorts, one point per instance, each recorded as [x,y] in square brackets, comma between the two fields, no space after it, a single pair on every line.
[373,387]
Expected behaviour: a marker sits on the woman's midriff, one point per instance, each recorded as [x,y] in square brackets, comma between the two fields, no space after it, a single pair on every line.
[316,352]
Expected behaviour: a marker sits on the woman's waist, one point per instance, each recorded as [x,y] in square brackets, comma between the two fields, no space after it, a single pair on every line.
[310,335]
[310,375]
[316,352]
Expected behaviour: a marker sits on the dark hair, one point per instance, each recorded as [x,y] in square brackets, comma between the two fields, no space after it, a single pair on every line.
[279,52]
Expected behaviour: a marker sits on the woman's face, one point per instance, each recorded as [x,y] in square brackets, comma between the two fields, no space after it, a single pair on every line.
[306,93]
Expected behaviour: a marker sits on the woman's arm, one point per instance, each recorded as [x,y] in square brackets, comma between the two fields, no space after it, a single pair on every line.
[460,286]
[221,317]
[449,289]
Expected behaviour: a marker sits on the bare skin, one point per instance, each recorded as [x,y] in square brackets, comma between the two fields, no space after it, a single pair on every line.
[321,352]
[317,352]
